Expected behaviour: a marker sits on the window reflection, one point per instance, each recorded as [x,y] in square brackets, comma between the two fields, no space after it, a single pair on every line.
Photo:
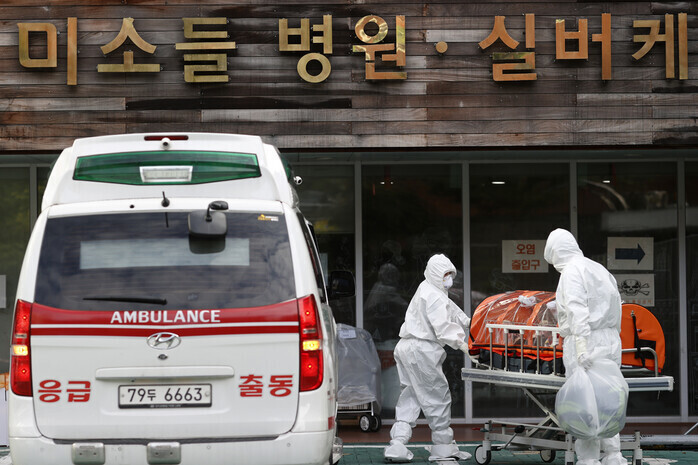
[42,175]
[327,200]
[637,200]
[14,235]
[692,282]
[410,212]
[511,202]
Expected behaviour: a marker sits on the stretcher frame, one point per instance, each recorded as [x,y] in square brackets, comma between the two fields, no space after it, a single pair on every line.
[546,436]
[369,420]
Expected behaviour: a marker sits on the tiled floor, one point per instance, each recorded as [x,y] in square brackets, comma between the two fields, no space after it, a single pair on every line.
[367,448]
[370,454]
[350,432]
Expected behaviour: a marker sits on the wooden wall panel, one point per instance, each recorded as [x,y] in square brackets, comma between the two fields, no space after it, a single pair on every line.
[447,100]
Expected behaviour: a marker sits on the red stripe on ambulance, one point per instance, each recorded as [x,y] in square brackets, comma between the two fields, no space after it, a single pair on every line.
[270,319]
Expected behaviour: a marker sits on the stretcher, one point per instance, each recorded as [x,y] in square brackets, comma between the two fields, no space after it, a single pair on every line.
[535,352]
[358,387]
[518,345]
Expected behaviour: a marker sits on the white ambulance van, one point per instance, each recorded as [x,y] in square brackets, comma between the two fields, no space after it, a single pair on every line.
[171,309]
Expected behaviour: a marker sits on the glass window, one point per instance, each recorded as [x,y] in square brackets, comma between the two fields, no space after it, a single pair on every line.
[410,212]
[145,261]
[311,243]
[692,282]
[14,235]
[42,175]
[520,203]
[628,222]
[327,200]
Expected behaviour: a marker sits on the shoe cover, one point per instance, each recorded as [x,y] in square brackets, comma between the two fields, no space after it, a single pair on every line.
[397,452]
[447,451]
[401,431]
[615,458]
[588,462]
[444,436]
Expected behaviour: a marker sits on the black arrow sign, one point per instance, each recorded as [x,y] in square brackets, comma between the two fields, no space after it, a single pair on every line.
[631,254]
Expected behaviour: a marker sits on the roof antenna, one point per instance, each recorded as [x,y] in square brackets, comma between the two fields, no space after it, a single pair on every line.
[165,201]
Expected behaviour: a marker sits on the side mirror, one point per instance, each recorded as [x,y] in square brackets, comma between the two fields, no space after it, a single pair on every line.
[341,284]
[208,224]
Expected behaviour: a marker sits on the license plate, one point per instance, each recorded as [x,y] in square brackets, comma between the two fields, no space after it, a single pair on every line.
[164,395]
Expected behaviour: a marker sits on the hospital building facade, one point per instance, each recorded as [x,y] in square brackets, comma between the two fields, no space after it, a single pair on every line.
[471,129]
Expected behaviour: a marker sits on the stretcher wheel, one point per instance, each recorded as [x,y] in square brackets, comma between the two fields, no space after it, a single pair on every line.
[547,455]
[369,423]
[365,423]
[482,456]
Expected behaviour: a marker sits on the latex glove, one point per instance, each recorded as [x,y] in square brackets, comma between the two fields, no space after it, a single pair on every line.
[464,347]
[527,301]
[582,355]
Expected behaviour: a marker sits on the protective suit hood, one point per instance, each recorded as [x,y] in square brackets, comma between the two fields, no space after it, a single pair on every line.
[560,248]
[437,266]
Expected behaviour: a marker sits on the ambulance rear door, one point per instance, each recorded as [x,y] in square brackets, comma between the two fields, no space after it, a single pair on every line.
[140,329]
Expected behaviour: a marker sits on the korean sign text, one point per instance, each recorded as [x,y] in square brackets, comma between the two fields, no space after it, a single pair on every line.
[379,41]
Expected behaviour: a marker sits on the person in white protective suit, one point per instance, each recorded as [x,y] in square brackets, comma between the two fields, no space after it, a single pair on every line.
[432,320]
[589,316]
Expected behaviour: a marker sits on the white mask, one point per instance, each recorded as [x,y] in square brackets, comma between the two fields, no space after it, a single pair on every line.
[448,281]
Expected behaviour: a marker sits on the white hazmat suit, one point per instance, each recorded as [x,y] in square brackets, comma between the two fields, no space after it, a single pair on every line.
[432,320]
[589,316]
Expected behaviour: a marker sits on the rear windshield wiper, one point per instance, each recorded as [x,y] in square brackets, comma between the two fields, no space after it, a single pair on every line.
[138,299]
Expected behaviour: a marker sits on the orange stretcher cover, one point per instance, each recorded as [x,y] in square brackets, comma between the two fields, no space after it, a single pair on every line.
[639,328]
[507,309]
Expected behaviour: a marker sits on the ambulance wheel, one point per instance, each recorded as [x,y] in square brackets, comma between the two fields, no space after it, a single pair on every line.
[337,451]
[332,460]
[482,456]
[547,455]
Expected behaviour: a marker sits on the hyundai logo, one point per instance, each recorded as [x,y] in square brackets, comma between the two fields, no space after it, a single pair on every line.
[164,341]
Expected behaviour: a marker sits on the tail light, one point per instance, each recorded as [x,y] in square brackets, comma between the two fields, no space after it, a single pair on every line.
[311,369]
[20,370]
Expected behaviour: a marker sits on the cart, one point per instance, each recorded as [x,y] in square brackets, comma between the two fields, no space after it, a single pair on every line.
[359,388]
[519,355]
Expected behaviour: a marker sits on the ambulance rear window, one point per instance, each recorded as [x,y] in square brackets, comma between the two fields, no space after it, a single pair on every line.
[143,261]
[166,167]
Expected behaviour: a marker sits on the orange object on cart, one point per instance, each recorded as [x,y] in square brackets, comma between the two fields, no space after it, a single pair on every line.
[639,328]
[508,308]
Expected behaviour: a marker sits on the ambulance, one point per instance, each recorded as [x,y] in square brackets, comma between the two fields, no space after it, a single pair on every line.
[172,309]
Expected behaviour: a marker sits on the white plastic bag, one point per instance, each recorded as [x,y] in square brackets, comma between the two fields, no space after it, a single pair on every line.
[592,403]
